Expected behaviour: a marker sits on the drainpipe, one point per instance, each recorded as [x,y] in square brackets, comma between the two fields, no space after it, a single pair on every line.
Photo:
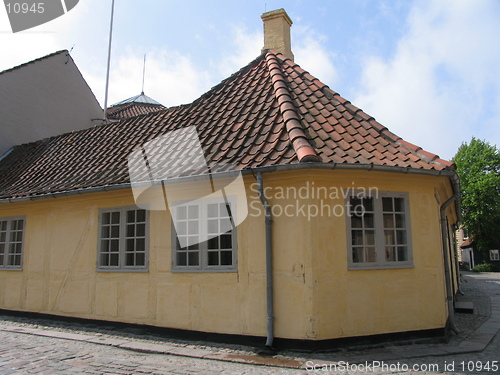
[269,261]
[447,271]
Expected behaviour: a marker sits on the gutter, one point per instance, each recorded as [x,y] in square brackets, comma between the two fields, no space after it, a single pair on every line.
[447,265]
[269,262]
[272,168]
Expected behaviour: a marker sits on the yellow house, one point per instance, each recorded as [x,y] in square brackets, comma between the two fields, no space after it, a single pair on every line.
[318,224]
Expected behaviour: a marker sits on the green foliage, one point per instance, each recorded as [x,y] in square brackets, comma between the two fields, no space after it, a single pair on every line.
[486,267]
[478,166]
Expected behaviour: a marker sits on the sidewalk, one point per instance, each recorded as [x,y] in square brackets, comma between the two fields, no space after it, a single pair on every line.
[477,330]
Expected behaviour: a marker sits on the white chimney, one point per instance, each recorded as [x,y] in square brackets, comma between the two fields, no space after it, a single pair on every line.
[277,32]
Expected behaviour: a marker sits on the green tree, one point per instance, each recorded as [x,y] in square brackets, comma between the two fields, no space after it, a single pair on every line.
[478,166]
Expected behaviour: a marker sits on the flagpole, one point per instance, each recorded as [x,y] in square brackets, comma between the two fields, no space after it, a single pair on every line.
[109,61]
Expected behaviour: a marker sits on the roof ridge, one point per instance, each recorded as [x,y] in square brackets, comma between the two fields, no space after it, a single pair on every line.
[33,61]
[303,149]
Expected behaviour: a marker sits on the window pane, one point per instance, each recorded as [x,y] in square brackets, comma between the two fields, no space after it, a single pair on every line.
[115,231]
[131,216]
[213,258]
[389,237]
[130,244]
[213,210]
[105,232]
[106,218]
[104,245]
[226,241]
[369,237]
[181,227]
[193,227]
[389,254]
[140,244]
[368,204]
[399,205]
[368,221]
[194,243]
[357,237]
[115,218]
[130,259]
[225,225]
[357,255]
[3,225]
[226,258]
[356,221]
[371,255]
[2,236]
[194,259]
[402,254]
[193,212]
[181,258]
[115,245]
[1,259]
[401,237]
[400,221]
[113,259]
[213,226]
[2,248]
[130,230]
[213,243]
[141,216]
[387,205]
[182,213]
[141,230]
[140,259]
[388,221]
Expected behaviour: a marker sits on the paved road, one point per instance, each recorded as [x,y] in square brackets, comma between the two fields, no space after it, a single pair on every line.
[22,353]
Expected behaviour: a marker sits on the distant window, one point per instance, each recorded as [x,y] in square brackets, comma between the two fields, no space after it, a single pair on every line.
[379,231]
[11,242]
[494,255]
[123,239]
[204,238]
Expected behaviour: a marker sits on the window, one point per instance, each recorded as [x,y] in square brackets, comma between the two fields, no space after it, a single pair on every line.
[379,231]
[11,242]
[494,255]
[123,239]
[204,237]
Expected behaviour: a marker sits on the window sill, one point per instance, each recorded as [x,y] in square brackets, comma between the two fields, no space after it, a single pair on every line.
[127,270]
[379,267]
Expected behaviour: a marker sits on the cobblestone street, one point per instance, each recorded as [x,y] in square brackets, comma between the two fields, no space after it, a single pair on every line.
[36,346]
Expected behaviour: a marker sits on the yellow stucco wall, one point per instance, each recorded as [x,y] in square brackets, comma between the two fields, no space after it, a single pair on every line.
[316,296]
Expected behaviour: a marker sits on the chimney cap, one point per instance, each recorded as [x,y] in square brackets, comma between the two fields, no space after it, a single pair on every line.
[275,14]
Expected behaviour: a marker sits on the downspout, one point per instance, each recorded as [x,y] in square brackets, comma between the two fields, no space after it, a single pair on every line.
[447,271]
[269,261]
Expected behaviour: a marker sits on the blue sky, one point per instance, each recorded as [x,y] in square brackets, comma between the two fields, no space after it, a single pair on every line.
[429,70]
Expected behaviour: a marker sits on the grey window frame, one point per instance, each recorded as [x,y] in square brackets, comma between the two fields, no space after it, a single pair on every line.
[7,254]
[203,250]
[379,229]
[122,253]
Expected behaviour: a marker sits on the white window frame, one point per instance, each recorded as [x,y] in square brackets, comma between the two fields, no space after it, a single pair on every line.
[494,254]
[7,243]
[379,235]
[203,266]
[122,238]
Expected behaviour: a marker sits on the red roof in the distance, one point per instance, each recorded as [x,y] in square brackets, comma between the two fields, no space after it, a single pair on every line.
[271,112]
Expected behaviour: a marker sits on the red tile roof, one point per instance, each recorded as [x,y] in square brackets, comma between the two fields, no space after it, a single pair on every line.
[131,109]
[269,113]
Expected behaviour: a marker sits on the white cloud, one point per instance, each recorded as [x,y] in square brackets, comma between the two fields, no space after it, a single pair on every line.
[441,85]
[311,53]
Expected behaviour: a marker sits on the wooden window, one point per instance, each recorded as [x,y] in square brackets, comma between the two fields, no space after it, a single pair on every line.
[123,239]
[11,242]
[379,231]
[204,237]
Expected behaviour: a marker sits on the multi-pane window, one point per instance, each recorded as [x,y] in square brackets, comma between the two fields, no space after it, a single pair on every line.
[379,231]
[11,242]
[123,241]
[204,236]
